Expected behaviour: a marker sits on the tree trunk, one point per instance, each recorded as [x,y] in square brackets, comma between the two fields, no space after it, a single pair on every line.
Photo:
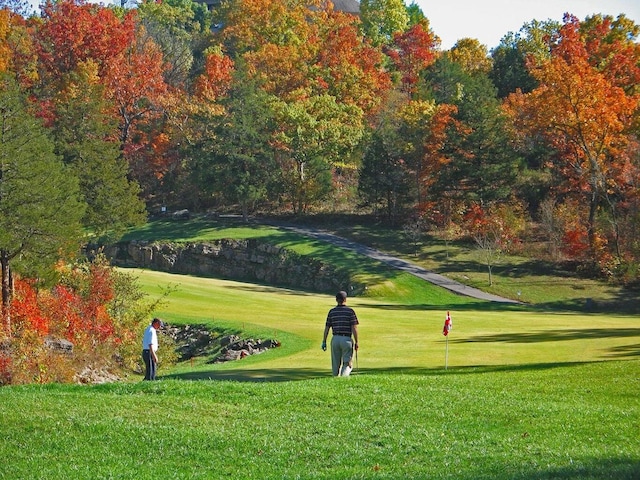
[6,291]
[591,225]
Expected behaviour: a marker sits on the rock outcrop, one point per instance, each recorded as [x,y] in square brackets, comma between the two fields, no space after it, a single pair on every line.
[245,260]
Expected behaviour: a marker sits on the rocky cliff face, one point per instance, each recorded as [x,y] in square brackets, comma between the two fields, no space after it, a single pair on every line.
[245,260]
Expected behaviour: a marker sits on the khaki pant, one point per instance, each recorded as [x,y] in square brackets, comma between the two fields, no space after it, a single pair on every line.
[341,355]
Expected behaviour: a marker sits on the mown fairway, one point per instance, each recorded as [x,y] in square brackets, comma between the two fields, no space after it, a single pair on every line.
[528,394]
[394,336]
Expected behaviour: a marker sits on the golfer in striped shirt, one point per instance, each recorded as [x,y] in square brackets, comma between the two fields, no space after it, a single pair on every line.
[343,322]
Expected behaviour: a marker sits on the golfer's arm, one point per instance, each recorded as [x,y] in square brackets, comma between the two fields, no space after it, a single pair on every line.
[354,329]
[326,332]
[152,353]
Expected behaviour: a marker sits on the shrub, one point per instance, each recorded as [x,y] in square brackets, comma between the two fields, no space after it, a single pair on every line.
[96,308]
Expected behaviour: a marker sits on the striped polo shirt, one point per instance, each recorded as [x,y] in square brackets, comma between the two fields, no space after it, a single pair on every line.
[340,319]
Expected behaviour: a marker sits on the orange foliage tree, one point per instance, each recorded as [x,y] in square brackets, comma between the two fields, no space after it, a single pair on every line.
[586,115]
[129,64]
[75,31]
[297,46]
[324,79]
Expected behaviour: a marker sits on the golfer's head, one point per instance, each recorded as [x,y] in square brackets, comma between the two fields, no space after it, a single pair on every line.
[157,323]
[341,297]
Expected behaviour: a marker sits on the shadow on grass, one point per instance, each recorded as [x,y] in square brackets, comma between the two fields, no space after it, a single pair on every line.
[465,305]
[622,351]
[254,375]
[175,230]
[298,374]
[553,335]
[623,468]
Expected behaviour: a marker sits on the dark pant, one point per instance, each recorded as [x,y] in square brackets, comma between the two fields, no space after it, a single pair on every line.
[149,365]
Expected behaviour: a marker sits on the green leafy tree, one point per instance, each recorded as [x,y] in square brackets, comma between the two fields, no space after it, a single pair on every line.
[181,29]
[240,165]
[313,136]
[86,139]
[40,206]
[483,165]
[531,43]
[382,18]
[384,179]
[416,15]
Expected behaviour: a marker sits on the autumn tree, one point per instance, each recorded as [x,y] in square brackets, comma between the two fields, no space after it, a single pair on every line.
[275,39]
[129,65]
[471,55]
[495,230]
[96,309]
[76,31]
[17,50]
[40,206]
[324,79]
[482,165]
[347,66]
[612,49]
[5,47]
[413,51]
[585,114]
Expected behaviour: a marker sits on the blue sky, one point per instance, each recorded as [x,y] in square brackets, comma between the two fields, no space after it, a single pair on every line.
[489,20]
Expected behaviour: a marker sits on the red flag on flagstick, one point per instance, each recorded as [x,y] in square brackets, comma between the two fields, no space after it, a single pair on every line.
[447,325]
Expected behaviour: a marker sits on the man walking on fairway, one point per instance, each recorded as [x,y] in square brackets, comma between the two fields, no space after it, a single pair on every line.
[343,322]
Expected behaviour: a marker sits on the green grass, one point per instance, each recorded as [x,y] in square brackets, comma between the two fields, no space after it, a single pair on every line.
[528,393]
[394,334]
[540,284]
[536,422]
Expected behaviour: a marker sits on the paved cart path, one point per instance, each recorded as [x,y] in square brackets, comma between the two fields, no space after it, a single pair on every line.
[400,264]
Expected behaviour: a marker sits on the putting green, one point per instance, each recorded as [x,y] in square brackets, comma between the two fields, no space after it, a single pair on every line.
[392,336]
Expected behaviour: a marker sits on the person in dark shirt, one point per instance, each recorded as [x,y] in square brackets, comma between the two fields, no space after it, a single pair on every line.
[343,322]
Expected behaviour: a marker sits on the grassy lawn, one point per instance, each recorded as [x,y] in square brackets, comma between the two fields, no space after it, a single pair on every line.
[395,335]
[529,393]
[539,284]
[528,422]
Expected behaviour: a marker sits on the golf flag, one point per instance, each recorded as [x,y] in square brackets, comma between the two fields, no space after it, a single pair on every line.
[447,325]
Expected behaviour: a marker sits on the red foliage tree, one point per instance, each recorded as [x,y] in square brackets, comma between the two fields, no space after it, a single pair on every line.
[413,51]
[78,310]
[25,310]
[73,31]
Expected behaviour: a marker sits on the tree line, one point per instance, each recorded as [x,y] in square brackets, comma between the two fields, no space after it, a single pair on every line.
[109,113]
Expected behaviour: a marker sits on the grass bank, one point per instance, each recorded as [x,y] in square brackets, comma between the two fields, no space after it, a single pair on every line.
[520,422]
